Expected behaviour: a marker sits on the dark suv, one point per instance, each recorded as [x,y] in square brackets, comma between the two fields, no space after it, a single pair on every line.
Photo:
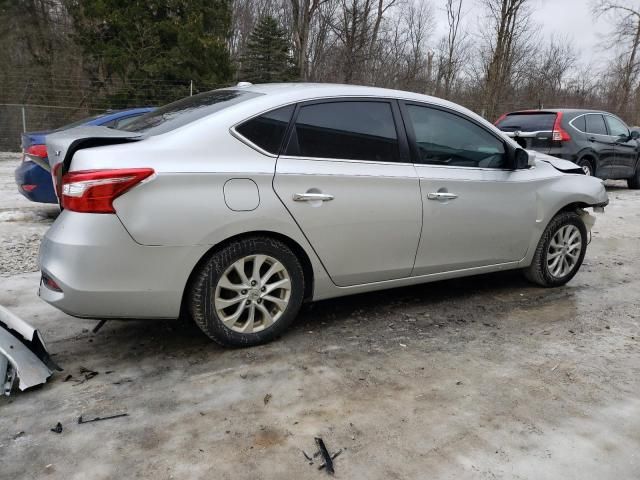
[601,143]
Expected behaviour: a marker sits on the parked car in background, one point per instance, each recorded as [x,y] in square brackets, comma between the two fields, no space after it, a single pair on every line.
[238,204]
[33,176]
[599,142]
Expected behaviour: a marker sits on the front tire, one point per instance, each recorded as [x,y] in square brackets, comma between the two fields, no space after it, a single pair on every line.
[587,167]
[560,251]
[248,293]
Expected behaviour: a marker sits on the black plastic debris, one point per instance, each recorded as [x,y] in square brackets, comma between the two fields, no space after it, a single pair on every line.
[98,326]
[87,375]
[99,419]
[328,461]
[57,428]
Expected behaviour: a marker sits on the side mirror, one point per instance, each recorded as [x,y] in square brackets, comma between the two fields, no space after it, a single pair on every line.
[522,159]
[634,135]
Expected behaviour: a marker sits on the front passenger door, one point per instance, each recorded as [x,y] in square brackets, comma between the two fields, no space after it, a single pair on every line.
[477,212]
[626,149]
[603,144]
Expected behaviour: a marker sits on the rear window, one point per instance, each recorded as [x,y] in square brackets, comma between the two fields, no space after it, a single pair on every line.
[527,122]
[187,110]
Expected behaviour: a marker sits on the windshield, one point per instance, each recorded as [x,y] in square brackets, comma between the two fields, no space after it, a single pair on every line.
[187,110]
[527,122]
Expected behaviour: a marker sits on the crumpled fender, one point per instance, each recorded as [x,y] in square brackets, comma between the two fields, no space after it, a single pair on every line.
[23,354]
[564,166]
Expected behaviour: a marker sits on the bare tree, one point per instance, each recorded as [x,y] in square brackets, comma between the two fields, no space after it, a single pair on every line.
[452,49]
[509,21]
[303,13]
[626,66]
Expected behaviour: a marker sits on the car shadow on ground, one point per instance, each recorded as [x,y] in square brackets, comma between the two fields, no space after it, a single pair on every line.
[327,318]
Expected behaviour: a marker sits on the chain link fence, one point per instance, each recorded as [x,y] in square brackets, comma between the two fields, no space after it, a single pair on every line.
[29,104]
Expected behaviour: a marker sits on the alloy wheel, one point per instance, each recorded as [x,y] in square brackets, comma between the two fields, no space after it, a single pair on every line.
[252,294]
[564,251]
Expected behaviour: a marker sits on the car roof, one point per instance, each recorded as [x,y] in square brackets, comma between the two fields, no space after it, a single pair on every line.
[302,91]
[115,114]
[299,92]
[558,110]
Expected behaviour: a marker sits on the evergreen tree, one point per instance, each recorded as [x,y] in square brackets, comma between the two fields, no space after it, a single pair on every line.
[268,56]
[140,43]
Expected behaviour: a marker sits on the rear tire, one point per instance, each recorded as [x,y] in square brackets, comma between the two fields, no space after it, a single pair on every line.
[634,182]
[248,293]
[560,251]
[587,166]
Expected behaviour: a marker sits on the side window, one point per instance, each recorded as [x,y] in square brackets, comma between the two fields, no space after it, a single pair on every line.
[595,124]
[616,127]
[580,123]
[446,139]
[267,131]
[346,130]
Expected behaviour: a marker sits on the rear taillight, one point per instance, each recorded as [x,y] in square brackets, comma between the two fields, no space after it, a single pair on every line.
[93,191]
[39,151]
[559,133]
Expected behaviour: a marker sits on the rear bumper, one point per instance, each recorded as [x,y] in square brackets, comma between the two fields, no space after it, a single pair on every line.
[104,273]
[28,173]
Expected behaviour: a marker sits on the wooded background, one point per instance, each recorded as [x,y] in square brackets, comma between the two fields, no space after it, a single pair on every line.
[61,60]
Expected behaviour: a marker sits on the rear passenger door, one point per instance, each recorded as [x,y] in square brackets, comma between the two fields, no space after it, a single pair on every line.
[601,142]
[346,178]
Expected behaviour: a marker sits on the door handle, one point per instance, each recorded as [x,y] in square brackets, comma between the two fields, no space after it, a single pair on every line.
[591,139]
[310,197]
[441,196]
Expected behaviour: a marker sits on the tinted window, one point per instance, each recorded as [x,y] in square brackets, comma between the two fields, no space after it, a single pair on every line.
[446,139]
[527,122]
[267,130]
[346,130]
[187,110]
[580,123]
[595,124]
[616,127]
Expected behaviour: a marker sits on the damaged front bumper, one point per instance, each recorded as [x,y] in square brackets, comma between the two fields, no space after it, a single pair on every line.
[23,355]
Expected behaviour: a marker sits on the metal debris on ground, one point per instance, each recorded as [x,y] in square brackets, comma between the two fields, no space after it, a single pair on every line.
[98,419]
[57,428]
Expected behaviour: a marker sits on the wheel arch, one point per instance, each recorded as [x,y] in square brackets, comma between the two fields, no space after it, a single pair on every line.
[592,157]
[298,250]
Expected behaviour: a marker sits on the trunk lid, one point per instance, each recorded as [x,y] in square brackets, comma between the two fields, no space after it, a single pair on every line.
[62,145]
[533,130]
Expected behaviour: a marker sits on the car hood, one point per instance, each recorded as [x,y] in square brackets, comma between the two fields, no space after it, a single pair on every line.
[564,166]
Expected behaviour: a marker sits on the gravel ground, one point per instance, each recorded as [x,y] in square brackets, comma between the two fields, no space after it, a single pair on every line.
[486,377]
[22,223]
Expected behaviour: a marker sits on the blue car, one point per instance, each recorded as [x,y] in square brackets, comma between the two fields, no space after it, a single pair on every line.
[32,175]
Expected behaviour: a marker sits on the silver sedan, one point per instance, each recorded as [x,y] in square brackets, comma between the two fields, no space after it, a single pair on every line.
[238,205]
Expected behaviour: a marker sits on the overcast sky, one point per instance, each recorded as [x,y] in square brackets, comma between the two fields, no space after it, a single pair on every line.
[564,18]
